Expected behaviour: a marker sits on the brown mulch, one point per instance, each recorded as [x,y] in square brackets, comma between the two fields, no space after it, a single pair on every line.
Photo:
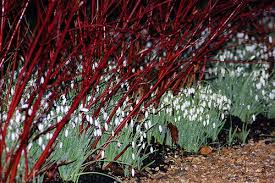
[254,162]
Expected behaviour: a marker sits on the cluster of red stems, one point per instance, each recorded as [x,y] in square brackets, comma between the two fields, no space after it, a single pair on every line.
[161,40]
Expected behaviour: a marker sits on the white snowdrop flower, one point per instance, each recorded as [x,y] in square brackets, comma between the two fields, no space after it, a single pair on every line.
[13,136]
[106,126]
[151,149]
[113,133]
[148,44]
[95,133]
[98,132]
[214,125]
[58,109]
[222,116]
[102,154]
[60,145]
[144,135]
[82,109]
[66,133]
[204,123]
[207,122]
[72,85]
[253,117]
[143,145]
[29,146]
[258,86]
[133,172]
[46,105]
[146,114]
[222,72]
[116,121]
[40,127]
[263,92]
[133,144]
[133,156]
[256,97]
[64,101]
[272,96]
[131,108]
[30,112]
[146,126]
[42,80]
[87,118]
[133,70]
[66,109]
[248,107]
[40,141]
[48,136]
[160,128]
[59,118]
[141,138]
[105,116]
[138,128]
[25,106]
[17,118]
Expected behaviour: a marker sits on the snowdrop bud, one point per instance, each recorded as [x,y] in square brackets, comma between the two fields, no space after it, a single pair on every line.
[160,128]
[29,146]
[30,112]
[40,127]
[222,116]
[146,114]
[42,80]
[151,149]
[106,126]
[66,133]
[25,106]
[133,144]
[40,141]
[133,156]
[253,117]
[272,96]
[82,109]
[133,172]
[102,154]
[60,145]
[258,86]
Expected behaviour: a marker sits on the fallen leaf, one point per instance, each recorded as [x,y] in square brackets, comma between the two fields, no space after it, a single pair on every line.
[205,150]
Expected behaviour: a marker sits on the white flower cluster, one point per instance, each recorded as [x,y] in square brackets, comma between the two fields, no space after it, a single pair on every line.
[194,105]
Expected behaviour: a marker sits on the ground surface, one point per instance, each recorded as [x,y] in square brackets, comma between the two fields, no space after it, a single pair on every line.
[254,162]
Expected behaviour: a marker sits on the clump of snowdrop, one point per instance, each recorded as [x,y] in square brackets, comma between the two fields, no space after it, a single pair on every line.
[198,113]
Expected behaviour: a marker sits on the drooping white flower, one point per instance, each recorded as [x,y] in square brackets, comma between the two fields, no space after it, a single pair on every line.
[272,96]
[40,141]
[133,172]
[151,149]
[160,128]
[82,109]
[66,133]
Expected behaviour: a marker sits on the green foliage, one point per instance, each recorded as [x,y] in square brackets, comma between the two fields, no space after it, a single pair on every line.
[197,113]
[73,148]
